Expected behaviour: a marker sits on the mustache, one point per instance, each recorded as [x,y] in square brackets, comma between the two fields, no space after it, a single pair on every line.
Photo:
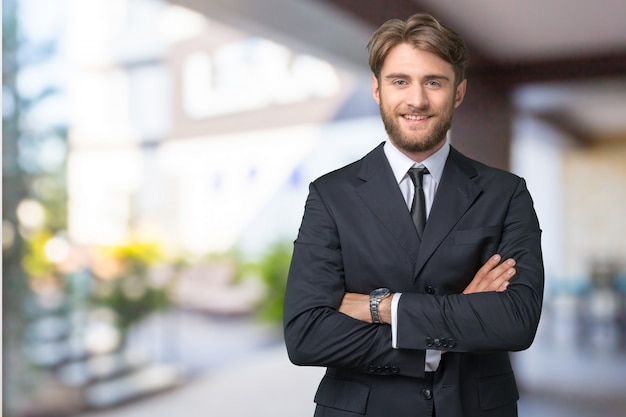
[411,108]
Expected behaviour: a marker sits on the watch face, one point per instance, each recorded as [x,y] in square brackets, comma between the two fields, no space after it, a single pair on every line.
[380,292]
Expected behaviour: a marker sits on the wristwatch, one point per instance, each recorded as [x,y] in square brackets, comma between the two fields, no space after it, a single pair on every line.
[376,297]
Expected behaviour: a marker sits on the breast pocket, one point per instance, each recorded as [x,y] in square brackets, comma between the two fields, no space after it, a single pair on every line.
[478,235]
[472,247]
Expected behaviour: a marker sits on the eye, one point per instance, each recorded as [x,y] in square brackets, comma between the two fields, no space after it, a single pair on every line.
[400,82]
[433,83]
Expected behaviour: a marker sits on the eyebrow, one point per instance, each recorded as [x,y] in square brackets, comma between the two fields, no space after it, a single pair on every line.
[427,77]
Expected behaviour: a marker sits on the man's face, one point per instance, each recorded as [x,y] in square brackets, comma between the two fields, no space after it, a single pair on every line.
[417,97]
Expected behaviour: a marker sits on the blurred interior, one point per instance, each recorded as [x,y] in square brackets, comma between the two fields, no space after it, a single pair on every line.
[156,160]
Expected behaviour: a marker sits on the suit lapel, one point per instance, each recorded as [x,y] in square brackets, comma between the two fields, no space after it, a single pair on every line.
[381,194]
[455,194]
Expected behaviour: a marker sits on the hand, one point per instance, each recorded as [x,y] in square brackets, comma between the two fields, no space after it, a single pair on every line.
[356,306]
[492,276]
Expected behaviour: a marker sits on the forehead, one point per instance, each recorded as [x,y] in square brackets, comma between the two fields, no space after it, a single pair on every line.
[408,60]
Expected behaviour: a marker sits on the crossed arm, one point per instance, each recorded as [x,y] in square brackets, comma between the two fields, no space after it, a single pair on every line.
[325,326]
[492,276]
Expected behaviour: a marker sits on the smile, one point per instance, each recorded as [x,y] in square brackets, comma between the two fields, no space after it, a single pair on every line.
[414,117]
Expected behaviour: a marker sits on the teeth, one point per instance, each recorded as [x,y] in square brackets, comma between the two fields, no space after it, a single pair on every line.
[414,117]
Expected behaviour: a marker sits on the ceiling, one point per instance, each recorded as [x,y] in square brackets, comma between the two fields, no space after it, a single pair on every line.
[548,29]
[513,30]
[578,47]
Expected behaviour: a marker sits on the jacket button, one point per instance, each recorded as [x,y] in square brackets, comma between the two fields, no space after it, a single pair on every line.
[437,343]
[429,342]
[451,343]
[395,370]
[371,368]
[430,289]
[444,342]
[427,394]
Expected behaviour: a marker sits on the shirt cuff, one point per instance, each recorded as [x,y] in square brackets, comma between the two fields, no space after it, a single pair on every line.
[394,319]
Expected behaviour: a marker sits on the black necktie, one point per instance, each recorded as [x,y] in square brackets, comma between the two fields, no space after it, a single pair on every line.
[418,209]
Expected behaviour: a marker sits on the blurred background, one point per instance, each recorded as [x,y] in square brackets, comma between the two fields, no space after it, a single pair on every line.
[156,159]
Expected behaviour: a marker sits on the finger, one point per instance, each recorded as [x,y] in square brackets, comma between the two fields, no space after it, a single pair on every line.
[502,268]
[481,275]
[495,277]
[501,282]
[489,265]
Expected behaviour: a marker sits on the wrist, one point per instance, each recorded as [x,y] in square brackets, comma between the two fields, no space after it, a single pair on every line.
[376,297]
[384,309]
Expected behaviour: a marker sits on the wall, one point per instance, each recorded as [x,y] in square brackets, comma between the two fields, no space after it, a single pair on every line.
[595,198]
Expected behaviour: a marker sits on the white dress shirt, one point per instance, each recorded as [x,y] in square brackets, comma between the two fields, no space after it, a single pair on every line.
[400,165]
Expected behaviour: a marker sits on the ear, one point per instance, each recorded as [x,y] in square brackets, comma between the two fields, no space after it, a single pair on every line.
[460,93]
[375,89]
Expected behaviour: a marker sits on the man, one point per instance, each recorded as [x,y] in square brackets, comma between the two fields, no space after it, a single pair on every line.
[414,320]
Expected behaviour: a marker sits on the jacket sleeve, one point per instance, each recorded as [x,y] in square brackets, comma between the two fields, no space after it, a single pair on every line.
[316,333]
[489,321]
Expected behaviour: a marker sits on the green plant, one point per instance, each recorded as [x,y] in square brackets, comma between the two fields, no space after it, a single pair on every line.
[124,282]
[273,269]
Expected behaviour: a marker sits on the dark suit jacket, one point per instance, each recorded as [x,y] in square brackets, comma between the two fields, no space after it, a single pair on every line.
[357,235]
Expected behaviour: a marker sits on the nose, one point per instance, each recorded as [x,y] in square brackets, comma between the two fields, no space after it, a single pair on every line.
[417,97]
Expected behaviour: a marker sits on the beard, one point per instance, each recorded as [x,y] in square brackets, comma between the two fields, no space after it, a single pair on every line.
[415,141]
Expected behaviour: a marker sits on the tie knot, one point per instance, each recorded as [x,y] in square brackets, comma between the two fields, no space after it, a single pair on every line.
[416,175]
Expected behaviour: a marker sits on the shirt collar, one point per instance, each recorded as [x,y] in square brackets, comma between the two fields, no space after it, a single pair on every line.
[400,163]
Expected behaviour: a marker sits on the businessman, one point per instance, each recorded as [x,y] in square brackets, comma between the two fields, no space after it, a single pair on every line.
[416,269]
